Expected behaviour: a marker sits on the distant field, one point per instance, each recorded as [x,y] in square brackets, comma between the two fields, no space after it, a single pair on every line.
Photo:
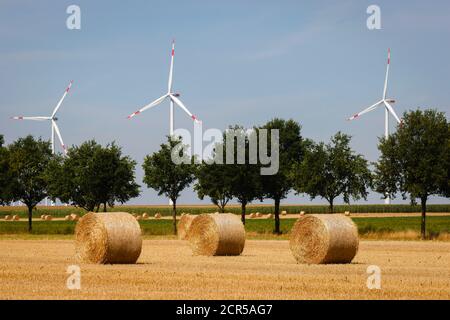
[62,211]
[379,228]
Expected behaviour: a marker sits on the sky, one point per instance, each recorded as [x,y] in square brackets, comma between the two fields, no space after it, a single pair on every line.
[236,62]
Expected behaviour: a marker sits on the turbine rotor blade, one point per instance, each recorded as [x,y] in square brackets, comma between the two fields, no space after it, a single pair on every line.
[62,99]
[58,133]
[182,106]
[369,109]
[169,85]
[392,111]
[387,74]
[151,105]
[31,118]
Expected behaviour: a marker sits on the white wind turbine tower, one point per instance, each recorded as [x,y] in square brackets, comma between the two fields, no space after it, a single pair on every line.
[53,119]
[387,108]
[173,97]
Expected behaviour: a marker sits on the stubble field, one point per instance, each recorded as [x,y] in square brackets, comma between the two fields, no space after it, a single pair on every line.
[166,269]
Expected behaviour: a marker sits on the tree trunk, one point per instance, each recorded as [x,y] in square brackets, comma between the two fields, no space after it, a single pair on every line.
[174,216]
[104,207]
[243,207]
[30,216]
[423,229]
[277,216]
[331,207]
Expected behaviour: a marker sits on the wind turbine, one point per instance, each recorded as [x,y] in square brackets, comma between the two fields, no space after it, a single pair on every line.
[173,97]
[53,119]
[386,102]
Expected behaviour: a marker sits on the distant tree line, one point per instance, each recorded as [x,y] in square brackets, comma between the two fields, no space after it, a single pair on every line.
[414,162]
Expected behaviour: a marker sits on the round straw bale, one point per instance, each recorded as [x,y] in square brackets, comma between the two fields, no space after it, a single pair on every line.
[48,218]
[138,218]
[184,225]
[42,216]
[284,212]
[157,215]
[324,239]
[113,237]
[258,215]
[252,215]
[269,216]
[67,218]
[302,213]
[347,213]
[74,217]
[8,217]
[145,215]
[217,235]
[16,217]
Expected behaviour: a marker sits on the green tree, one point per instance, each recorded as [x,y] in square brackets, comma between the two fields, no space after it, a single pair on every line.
[290,152]
[243,176]
[28,163]
[213,181]
[416,159]
[333,170]
[169,177]
[5,175]
[92,176]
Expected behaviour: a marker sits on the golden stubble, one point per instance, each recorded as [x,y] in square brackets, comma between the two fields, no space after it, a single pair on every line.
[166,269]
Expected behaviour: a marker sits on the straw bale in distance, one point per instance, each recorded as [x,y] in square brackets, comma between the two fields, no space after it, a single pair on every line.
[67,218]
[108,238]
[302,213]
[184,225]
[48,217]
[217,235]
[252,215]
[74,217]
[8,217]
[284,212]
[157,215]
[347,213]
[324,239]
[145,215]
[258,215]
[269,216]
[15,218]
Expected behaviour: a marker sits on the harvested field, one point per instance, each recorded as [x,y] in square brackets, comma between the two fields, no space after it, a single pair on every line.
[266,270]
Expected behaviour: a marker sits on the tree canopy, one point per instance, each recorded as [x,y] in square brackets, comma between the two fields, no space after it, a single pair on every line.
[415,160]
[291,149]
[333,170]
[91,176]
[166,176]
[5,175]
[213,181]
[241,175]
[28,163]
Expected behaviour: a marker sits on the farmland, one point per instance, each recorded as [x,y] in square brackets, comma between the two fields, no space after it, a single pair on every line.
[266,270]
[167,269]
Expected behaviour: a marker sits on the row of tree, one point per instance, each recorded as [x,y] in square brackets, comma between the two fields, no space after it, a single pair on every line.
[415,161]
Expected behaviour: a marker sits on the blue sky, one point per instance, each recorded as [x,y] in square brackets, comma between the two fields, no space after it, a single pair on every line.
[237,62]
